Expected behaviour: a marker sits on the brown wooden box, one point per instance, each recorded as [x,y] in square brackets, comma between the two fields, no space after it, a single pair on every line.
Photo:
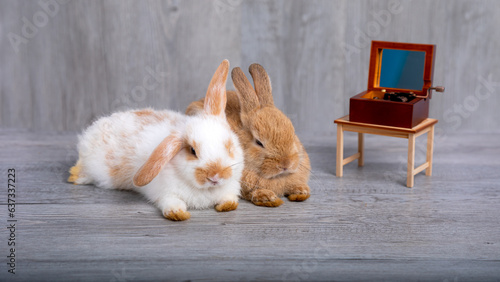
[395,67]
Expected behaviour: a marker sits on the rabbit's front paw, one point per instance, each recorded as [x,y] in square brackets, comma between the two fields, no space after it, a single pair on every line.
[177,215]
[298,193]
[226,206]
[266,198]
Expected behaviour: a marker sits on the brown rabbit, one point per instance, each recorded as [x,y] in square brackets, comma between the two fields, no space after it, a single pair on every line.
[276,163]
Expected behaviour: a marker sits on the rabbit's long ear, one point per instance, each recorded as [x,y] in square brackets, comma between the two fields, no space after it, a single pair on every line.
[246,93]
[216,99]
[161,155]
[262,84]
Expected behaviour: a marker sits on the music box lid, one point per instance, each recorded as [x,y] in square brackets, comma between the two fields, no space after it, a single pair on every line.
[401,67]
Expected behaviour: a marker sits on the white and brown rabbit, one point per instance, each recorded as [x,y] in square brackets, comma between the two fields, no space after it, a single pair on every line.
[276,163]
[176,161]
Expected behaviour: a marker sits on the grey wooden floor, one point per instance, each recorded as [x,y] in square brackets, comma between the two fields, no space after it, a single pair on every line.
[365,226]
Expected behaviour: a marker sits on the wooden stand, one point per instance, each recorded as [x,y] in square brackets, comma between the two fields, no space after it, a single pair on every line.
[426,126]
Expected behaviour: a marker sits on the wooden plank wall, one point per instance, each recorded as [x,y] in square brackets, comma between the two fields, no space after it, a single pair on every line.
[65,65]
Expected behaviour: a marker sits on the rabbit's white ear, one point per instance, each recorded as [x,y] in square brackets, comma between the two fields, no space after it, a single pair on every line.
[215,100]
[245,91]
[262,84]
[161,155]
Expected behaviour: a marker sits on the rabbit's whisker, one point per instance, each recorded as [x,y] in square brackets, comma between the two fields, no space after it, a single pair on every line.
[238,163]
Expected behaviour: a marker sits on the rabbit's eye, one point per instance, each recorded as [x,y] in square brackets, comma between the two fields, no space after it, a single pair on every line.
[257,141]
[193,151]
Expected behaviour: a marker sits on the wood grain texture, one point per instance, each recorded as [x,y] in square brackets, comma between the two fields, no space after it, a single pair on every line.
[94,57]
[365,226]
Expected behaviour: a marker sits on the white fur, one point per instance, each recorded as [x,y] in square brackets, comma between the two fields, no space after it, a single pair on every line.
[125,138]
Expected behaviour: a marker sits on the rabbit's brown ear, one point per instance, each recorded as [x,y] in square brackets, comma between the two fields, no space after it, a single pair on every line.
[246,93]
[215,100]
[161,155]
[262,84]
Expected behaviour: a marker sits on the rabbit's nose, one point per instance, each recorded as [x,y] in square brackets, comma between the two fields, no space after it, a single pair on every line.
[214,180]
[285,165]
[282,169]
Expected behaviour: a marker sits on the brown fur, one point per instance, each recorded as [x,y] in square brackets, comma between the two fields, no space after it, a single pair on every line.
[216,93]
[265,198]
[195,108]
[161,155]
[247,97]
[232,109]
[212,169]
[298,197]
[252,115]
[74,172]
[262,85]
[149,116]
[190,156]
[214,107]
[229,148]
[120,172]
[226,206]
[178,215]
[195,146]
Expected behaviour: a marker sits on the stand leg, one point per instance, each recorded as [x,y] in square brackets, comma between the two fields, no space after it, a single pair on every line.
[411,160]
[361,160]
[340,150]
[430,148]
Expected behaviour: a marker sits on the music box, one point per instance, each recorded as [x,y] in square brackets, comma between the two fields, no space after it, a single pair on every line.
[399,85]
